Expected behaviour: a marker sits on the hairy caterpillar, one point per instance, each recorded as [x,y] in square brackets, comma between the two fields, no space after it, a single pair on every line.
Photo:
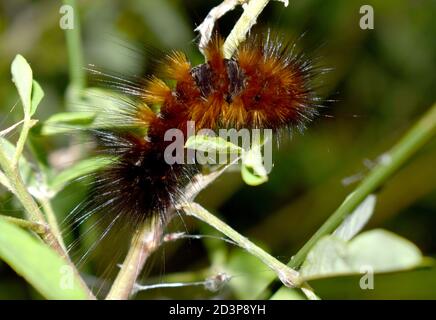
[266,84]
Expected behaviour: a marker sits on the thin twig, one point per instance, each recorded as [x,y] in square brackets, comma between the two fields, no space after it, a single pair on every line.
[213,283]
[146,240]
[33,226]
[52,220]
[422,132]
[16,183]
[33,212]
[287,275]
[27,124]
[169,237]
[389,163]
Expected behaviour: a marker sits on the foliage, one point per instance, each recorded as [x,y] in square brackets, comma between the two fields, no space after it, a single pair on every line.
[383,78]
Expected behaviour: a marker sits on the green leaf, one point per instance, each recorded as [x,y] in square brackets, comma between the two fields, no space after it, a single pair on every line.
[77,118]
[38,264]
[253,172]
[251,177]
[22,77]
[285,293]
[380,250]
[408,284]
[79,169]
[248,284]
[209,144]
[357,220]
[384,251]
[327,258]
[67,121]
[37,95]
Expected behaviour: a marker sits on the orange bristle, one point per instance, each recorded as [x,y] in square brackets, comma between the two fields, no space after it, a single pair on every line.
[214,52]
[177,66]
[145,115]
[156,91]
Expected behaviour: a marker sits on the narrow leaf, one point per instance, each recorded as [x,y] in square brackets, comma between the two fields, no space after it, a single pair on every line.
[37,95]
[6,131]
[67,121]
[211,144]
[79,169]
[22,77]
[38,264]
[5,182]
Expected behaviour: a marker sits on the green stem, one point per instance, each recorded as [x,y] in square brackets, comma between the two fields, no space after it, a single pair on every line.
[75,52]
[17,185]
[287,275]
[389,163]
[148,238]
[27,124]
[33,212]
[33,226]
[52,221]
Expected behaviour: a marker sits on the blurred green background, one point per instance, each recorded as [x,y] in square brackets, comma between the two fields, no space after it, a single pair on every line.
[382,81]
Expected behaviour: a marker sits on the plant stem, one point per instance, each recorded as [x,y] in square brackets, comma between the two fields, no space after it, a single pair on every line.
[287,275]
[148,238]
[27,124]
[33,212]
[43,198]
[388,164]
[21,141]
[140,249]
[52,220]
[75,52]
[145,241]
[17,185]
[33,226]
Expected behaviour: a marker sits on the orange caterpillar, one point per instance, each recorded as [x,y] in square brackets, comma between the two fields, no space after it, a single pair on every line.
[264,85]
